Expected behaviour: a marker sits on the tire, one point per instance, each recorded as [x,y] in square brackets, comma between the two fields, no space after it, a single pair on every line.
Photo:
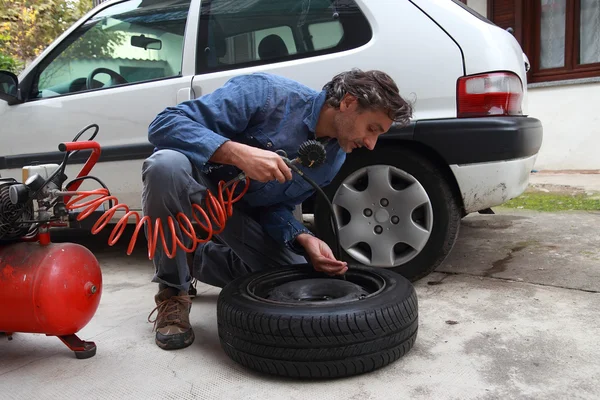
[264,327]
[435,223]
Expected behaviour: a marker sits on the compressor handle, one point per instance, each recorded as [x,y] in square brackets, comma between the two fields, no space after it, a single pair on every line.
[85,145]
[93,158]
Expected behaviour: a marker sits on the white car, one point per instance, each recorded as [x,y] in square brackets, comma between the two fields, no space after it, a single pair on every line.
[470,146]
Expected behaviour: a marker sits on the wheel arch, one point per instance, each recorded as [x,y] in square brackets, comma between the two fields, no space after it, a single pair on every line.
[432,155]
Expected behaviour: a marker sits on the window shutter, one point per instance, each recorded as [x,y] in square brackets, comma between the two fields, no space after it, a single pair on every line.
[502,13]
[510,14]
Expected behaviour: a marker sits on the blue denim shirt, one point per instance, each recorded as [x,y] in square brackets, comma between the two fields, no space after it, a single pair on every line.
[262,110]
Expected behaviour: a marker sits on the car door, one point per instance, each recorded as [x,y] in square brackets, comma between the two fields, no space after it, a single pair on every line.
[306,40]
[142,64]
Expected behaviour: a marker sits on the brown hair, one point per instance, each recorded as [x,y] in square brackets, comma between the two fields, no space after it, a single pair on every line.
[373,89]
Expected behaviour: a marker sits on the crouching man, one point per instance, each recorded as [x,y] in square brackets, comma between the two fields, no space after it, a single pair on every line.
[237,128]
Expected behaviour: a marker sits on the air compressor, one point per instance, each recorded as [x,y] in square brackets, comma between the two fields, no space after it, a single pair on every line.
[55,288]
[45,287]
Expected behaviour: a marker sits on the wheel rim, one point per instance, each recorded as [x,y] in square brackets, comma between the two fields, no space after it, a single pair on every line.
[384,215]
[311,288]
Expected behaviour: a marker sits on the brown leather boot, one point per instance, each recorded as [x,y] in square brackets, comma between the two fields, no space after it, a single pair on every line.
[172,324]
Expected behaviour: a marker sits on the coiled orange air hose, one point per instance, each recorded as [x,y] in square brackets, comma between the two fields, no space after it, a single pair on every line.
[219,209]
[311,154]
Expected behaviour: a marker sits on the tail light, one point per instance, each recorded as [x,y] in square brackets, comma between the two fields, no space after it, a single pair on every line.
[496,93]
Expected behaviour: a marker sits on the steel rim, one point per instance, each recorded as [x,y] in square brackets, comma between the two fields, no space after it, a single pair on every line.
[384,214]
[310,288]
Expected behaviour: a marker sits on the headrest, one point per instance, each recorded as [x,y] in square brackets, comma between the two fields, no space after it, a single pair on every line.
[272,46]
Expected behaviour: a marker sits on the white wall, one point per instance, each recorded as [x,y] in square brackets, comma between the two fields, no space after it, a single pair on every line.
[570,117]
[478,5]
[571,125]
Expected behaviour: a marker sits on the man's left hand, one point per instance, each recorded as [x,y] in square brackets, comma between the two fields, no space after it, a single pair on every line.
[321,256]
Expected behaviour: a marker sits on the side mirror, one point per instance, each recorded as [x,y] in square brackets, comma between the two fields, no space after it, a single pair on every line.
[9,88]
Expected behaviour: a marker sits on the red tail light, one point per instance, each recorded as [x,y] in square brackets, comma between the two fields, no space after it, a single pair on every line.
[497,93]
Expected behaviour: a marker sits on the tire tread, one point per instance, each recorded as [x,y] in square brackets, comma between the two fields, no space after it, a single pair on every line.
[285,331]
[322,369]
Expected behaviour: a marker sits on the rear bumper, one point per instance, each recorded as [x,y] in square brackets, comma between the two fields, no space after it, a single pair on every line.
[480,140]
[485,185]
[491,157]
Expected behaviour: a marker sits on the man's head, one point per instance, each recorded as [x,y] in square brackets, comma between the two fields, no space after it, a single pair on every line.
[364,105]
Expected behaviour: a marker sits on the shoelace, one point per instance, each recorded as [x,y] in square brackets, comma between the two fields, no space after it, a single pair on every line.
[169,307]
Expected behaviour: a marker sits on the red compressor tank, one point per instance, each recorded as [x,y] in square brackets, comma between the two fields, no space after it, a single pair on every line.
[53,289]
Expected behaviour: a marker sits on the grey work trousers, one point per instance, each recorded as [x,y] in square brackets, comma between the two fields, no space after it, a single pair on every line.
[171,185]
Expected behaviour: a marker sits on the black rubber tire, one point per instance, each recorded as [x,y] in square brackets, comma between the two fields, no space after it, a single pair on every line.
[436,182]
[317,340]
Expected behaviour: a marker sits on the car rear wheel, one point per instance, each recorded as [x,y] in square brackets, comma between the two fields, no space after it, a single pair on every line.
[395,209]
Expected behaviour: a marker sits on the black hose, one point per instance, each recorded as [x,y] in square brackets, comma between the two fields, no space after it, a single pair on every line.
[337,251]
[61,168]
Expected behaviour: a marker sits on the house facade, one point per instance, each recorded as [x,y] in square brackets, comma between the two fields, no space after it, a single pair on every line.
[561,38]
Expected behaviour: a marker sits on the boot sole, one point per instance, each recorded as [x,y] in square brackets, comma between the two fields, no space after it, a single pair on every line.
[175,342]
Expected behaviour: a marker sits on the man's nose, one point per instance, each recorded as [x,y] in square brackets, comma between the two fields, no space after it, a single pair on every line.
[370,143]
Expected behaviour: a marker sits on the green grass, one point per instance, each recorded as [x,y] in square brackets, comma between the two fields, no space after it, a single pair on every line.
[541,201]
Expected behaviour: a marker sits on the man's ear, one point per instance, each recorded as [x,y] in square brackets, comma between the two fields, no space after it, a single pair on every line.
[348,102]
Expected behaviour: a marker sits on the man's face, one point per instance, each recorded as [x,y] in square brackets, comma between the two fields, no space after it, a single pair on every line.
[359,128]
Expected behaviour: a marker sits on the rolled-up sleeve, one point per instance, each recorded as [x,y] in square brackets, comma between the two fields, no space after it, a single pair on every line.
[281,224]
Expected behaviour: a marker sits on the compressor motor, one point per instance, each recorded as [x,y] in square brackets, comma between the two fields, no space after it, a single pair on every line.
[19,218]
[13,216]
[38,202]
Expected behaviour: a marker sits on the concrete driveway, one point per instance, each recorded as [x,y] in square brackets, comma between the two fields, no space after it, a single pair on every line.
[514,313]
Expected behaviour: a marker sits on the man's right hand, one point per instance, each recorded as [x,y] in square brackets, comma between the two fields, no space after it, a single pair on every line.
[259,165]
[263,166]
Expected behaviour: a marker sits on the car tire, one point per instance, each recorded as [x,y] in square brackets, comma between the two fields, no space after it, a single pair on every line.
[433,226]
[299,323]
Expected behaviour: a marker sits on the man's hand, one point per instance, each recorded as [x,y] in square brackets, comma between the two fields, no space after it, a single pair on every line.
[263,166]
[259,165]
[321,256]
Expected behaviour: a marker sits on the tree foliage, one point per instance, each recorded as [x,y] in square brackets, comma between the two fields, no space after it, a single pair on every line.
[7,63]
[27,27]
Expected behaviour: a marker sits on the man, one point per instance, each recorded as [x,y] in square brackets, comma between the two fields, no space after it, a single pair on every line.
[237,128]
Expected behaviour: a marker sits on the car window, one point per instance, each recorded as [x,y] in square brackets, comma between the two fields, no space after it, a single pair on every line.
[131,42]
[254,32]
[325,35]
